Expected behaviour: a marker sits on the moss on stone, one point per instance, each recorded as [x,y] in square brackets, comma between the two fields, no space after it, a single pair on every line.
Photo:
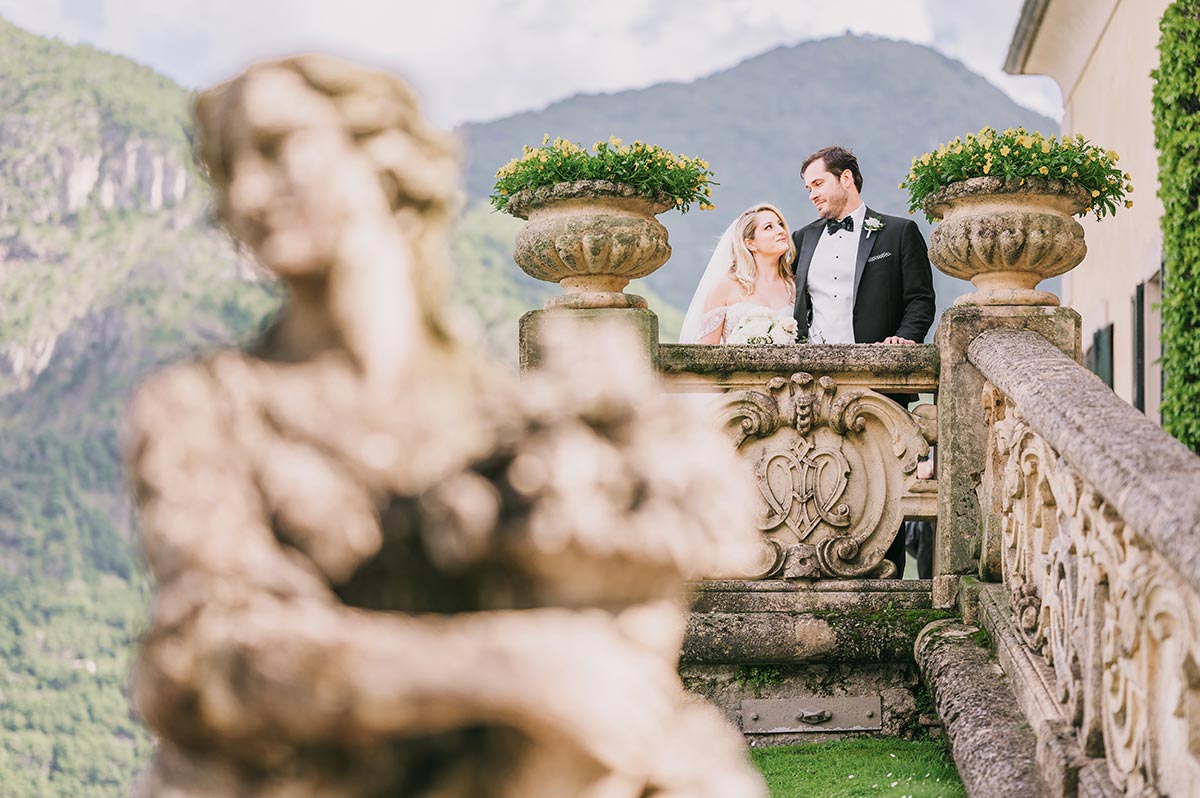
[758,677]
[982,638]
[878,636]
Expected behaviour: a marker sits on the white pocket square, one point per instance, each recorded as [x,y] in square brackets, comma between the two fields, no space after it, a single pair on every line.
[880,256]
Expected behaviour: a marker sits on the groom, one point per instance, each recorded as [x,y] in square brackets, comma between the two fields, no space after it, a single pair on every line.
[861,276]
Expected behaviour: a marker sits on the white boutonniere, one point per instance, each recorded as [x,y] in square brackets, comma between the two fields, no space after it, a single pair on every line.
[873,224]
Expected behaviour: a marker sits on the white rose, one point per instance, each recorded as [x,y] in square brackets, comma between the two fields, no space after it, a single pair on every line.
[781,335]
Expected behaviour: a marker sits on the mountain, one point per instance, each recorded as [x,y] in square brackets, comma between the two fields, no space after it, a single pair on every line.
[110,264]
[755,123]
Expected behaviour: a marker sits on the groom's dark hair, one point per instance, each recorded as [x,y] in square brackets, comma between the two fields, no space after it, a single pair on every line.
[837,160]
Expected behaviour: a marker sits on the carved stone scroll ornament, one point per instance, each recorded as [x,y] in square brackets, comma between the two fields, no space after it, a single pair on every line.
[383,568]
[834,468]
[1029,523]
[1119,628]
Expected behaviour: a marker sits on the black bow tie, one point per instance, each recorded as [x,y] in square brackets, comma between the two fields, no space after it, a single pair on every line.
[832,226]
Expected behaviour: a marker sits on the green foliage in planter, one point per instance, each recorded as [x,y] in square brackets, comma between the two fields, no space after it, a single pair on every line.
[652,171]
[1015,154]
[1177,138]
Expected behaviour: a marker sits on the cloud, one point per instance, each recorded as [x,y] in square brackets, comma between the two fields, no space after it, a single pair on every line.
[480,59]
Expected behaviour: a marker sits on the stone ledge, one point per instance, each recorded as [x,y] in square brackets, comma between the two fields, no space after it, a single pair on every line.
[911,365]
[993,746]
[780,595]
[829,636]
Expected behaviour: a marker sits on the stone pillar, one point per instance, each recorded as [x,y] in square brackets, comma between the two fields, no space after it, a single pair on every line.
[538,323]
[968,538]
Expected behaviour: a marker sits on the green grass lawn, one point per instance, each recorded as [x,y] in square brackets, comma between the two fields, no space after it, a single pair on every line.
[860,767]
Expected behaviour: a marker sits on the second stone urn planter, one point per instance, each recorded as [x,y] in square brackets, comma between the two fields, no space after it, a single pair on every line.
[591,237]
[1007,236]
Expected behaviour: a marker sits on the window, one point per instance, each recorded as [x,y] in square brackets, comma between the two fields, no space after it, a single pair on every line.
[1139,347]
[1099,358]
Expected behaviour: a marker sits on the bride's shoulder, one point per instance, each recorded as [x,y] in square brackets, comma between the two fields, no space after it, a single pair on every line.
[727,289]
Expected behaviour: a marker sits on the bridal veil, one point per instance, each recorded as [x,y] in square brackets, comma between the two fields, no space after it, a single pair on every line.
[718,265]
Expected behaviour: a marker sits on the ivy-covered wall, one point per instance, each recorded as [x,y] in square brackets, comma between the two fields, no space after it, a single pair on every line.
[1177,138]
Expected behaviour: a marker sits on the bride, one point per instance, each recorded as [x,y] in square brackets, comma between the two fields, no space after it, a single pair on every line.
[748,281]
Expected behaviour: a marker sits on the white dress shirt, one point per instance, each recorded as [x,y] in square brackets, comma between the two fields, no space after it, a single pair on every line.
[831,283]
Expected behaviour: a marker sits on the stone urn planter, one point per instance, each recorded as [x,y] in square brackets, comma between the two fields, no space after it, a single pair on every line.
[1006,237]
[591,237]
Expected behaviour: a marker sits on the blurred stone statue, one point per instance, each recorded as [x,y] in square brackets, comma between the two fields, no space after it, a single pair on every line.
[383,569]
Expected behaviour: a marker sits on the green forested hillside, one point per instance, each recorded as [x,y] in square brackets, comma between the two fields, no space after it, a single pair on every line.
[66,728]
[110,265]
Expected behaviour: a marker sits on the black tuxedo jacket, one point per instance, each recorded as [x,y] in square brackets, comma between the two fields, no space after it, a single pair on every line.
[893,284]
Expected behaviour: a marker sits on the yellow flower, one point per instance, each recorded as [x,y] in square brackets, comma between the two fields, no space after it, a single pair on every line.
[1074,174]
[1005,150]
[1112,156]
[1026,142]
[1128,203]
[1044,170]
[1129,187]
[987,167]
[1095,193]
[1046,147]
[1128,176]
[1064,170]
[503,192]
[679,200]
[707,191]
[613,140]
[545,138]
[926,158]
[900,186]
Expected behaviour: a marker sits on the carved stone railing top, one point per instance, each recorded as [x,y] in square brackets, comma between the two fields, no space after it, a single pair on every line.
[833,458]
[1098,511]
[890,369]
[1149,478]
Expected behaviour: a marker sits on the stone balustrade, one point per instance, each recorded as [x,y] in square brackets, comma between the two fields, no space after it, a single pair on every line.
[1091,517]
[833,457]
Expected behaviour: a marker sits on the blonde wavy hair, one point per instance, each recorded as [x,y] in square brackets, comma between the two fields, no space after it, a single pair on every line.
[744,269]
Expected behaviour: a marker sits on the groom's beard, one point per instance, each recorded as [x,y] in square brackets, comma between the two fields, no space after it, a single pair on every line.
[835,206]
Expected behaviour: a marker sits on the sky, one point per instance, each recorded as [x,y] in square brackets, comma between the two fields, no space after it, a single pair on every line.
[476,60]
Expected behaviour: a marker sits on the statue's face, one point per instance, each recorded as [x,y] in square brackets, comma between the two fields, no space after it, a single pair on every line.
[295,180]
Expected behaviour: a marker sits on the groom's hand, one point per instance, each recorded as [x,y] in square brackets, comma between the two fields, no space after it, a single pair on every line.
[896,339]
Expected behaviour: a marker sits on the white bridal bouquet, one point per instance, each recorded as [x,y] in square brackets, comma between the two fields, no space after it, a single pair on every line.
[762,326]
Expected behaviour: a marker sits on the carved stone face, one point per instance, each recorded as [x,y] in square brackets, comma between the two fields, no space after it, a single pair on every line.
[295,180]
